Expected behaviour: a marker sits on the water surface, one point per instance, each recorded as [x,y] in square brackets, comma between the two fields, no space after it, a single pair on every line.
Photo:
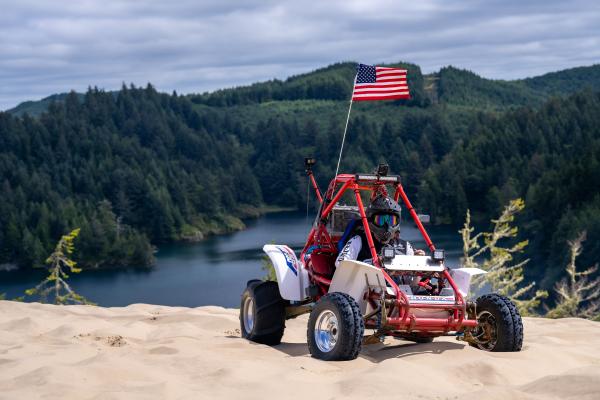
[212,272]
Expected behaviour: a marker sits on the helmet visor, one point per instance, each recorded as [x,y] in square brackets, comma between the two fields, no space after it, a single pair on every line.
[391,220]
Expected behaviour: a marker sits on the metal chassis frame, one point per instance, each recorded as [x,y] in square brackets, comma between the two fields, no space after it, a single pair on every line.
[319,237]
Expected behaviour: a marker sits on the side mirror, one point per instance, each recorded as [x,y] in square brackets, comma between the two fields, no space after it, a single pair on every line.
[424,218]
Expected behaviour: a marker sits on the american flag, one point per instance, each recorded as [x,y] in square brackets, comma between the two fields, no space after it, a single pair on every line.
[380,83]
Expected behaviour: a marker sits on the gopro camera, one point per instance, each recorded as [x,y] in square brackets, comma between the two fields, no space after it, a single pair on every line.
[309,162]
[383,169]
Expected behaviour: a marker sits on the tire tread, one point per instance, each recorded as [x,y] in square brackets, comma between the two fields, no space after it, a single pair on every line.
[517,324]
[508,320]
[269,323]
[351,326]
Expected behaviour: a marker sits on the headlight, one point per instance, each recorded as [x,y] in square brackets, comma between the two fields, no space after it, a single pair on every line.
[438,255]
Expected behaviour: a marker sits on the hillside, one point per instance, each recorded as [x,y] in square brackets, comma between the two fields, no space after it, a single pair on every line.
[129,169]
[36,108]
[567,81]
[330,83]
[160,167]
[156,352]
[465,88]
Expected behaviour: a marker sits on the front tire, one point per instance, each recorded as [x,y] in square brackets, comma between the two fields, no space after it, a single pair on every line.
[335,328]
[500,325]
[262,313]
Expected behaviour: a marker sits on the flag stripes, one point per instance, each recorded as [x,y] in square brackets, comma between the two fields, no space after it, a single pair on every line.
[380,83]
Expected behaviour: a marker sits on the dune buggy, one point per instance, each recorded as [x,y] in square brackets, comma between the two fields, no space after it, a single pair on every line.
[411,297]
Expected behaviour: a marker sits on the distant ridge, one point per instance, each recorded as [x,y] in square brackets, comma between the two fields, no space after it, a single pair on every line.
[463,87]
[449,85]
[36,107]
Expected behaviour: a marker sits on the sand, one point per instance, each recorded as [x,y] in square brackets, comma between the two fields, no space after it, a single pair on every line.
[155,352]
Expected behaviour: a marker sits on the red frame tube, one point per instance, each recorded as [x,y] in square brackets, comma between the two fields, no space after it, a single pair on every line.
[335,199]
[365,222]
[431,324]
[413,213]
[315,186]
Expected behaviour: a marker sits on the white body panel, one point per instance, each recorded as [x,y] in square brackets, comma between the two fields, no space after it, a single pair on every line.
[351,278]
[292,277]
[462,278]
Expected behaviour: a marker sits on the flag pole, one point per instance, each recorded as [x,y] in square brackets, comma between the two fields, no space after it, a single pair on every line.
[345,129]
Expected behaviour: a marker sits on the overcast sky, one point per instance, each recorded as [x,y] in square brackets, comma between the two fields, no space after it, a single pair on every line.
[198,45]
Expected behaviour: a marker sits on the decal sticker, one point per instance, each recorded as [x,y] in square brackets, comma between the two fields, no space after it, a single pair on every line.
[431,299]
[290,258]
[350,250]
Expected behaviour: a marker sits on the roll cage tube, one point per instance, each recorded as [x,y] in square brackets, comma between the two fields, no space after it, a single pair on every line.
[315,186]
[308,164]
[377,185]
[400,193]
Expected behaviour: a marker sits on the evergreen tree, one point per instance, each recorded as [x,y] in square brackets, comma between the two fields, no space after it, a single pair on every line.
[55,284]
[494,258]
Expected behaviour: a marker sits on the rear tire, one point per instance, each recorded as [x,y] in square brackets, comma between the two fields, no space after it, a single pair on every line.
[262,313]
[335,328]
[500,324]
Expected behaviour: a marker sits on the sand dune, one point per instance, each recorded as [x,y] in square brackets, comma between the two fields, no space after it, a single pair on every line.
[153,352]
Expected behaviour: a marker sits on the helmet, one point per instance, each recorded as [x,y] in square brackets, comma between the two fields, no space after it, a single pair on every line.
[383,215]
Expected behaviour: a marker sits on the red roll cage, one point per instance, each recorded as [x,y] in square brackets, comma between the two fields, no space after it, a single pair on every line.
[319,239]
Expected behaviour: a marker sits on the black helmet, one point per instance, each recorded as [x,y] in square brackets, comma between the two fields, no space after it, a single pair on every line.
[383,215]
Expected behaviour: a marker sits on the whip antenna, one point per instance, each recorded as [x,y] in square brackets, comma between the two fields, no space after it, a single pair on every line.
[307,196]
[345,129]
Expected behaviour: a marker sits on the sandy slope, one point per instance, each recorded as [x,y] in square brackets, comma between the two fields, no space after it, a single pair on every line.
[144,351]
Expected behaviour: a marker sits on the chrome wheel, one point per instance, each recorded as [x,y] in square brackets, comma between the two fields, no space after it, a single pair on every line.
[248,314]
[326,331]
[486,332]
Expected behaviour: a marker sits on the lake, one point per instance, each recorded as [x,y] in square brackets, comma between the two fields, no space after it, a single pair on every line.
[211,272]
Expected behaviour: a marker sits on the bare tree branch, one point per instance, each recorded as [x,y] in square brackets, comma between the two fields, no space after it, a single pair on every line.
[578,296]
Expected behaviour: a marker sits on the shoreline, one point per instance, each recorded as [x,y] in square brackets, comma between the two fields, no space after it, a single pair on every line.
[237,224]
[233,223]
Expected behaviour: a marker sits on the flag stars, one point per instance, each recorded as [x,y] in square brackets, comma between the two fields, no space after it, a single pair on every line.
[365,74]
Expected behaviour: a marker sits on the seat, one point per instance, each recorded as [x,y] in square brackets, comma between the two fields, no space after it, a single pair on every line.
[323,263]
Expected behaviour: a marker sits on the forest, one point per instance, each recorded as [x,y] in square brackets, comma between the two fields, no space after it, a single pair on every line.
[136,168]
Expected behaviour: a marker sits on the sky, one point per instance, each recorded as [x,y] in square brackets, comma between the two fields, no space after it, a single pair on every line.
[194,46]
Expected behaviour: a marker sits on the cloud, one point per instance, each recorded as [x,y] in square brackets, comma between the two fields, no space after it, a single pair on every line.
[190,46]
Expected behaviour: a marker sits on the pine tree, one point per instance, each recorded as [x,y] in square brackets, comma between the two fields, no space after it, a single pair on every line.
[55,284]
[492,256]
[268,268]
